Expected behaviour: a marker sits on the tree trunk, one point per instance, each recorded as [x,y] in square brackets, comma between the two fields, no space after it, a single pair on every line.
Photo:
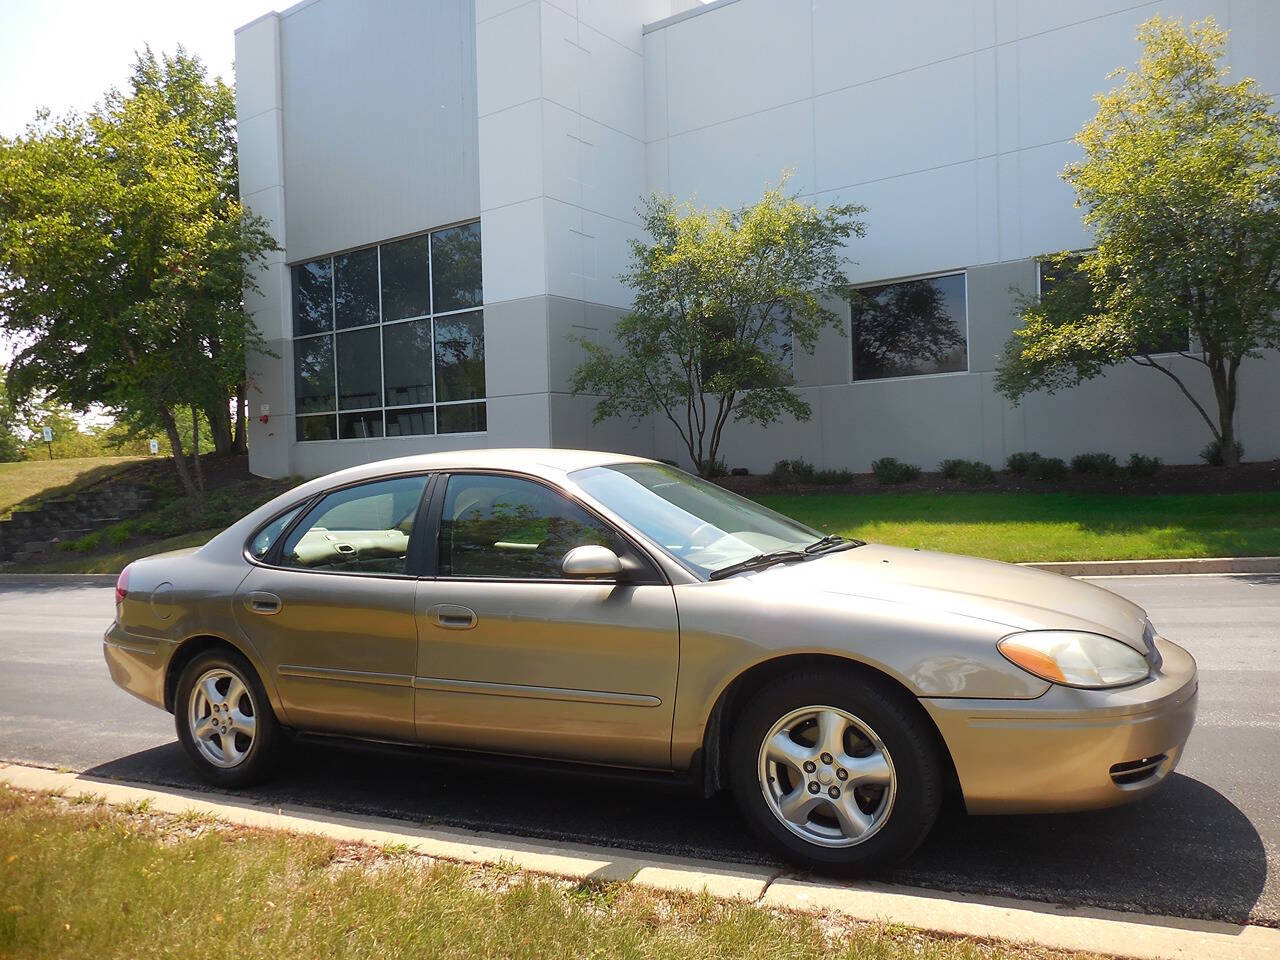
[1223,373]
[175,446]
[219,417]
[240,442]
[195,449]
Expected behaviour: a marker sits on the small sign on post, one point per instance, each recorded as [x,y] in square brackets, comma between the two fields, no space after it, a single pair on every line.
[48,440]
[155,447]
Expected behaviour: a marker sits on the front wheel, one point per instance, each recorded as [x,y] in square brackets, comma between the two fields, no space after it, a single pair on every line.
[224,720]
[836,770]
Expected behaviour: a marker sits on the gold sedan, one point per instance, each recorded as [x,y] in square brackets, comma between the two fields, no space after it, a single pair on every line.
[613,610]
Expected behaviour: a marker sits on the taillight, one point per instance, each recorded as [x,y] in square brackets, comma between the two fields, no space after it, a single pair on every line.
[122,586]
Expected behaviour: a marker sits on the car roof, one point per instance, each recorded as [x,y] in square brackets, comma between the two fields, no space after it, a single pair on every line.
[537,460]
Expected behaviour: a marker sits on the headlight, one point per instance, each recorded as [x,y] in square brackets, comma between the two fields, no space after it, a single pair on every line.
[1075,659]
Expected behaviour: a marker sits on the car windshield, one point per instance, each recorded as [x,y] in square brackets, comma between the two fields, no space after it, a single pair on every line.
[699,523]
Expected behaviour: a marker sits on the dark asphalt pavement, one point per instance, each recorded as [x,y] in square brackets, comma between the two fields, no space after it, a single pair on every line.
[1207,846]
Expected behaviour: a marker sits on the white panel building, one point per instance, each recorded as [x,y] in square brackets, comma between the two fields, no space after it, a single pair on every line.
[454,184]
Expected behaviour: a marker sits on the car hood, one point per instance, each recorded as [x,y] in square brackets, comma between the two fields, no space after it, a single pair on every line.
[1018,597]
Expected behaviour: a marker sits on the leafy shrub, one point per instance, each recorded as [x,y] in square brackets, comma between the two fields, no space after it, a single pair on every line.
[718,468]
[889,470]
[802,471]
[118,533]
[1036,467]
[1048,468]
[1212,453]
[1102,463]
[1020,463]
[833,477]
[1143,466]
[85,544]
[793,471]
[970,471]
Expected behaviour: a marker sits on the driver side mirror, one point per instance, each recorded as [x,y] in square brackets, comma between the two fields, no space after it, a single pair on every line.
[591,560]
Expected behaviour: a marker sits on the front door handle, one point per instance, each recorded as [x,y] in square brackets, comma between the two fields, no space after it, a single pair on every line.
[451,616]
[263,603]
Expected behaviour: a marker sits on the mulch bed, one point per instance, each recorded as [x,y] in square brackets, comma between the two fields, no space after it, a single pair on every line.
[1246,478]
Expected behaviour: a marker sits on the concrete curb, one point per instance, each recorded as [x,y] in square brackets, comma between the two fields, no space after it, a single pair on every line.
[61,579]
[953,914]
[1146,568]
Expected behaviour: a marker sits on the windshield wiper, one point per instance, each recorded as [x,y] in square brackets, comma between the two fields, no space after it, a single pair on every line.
[758,562]
[831,542]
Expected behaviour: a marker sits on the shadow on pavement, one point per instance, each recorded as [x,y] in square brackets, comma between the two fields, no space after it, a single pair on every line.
[1187,851]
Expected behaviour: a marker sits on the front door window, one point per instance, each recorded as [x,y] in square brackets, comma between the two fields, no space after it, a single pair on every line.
[507,527]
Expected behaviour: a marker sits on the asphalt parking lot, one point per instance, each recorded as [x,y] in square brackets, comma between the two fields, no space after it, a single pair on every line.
[1207,846]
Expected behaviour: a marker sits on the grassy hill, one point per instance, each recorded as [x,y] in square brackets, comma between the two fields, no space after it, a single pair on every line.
[29,481]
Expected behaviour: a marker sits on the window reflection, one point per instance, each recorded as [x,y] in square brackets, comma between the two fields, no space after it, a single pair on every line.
[313,297]
[359,369]
[460,356]
[406,279]
[355,288]
[366,423]
[455,268]
[462,418]
[313,374]
[407,349]
[506,527]
[385,333]
[910,328]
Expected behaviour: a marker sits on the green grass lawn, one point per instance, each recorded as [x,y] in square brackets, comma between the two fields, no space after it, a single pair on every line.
[30,479]
[82,880]
[1050,526]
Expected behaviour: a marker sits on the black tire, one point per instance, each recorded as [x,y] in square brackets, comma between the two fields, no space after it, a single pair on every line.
[263,748]
[906,735]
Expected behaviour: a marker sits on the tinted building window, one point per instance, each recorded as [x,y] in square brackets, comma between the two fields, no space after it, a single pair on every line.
[355,288]
[384,357]
[313,374]
[407,349]
[460,357]
[317,428]
[910,328]
[455,268]
[313,297]
[461,418]
[359,369]
[406,279]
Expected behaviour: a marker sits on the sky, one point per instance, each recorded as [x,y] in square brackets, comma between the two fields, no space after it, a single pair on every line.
[64,54]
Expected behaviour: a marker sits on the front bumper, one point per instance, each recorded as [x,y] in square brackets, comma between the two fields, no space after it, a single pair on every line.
[1071,749]
[137,663]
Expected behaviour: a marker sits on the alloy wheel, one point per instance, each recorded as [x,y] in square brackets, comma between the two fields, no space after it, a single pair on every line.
[222,717]
[827,776]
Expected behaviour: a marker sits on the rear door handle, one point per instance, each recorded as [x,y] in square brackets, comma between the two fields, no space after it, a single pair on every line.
[451,616]
[263,603]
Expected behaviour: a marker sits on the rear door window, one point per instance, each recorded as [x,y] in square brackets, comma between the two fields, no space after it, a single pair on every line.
[360,529]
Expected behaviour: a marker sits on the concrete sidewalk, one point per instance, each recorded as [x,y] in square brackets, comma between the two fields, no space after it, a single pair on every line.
[987,918]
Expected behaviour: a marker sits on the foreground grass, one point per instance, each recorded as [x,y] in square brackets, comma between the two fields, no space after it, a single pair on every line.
[30,480]
[1050,526]
[114,561]
[84,880]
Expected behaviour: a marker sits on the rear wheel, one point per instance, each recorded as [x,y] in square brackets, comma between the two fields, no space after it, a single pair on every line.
[836,770]
[224,720]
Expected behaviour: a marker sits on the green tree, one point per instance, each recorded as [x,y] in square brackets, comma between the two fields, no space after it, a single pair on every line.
[125,253]
[720,297]
[11,433]
[1180,182]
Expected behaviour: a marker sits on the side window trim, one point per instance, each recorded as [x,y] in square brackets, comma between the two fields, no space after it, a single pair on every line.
[654,574]
[273,558]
